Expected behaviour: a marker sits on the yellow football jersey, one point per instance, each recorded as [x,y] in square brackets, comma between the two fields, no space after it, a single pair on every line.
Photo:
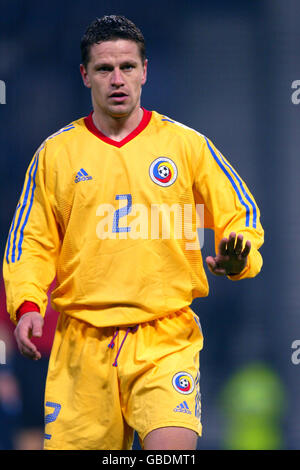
[116,222]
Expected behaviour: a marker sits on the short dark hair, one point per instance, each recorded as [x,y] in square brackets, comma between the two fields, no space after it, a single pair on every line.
[107,28]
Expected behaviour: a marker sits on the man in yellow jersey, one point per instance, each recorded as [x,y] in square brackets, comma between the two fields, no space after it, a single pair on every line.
[92,213]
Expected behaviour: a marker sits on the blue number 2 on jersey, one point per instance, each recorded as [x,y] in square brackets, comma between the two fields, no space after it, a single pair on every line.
[121,213]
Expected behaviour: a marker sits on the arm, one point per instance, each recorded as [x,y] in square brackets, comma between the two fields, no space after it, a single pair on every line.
[31,252]
[231,211]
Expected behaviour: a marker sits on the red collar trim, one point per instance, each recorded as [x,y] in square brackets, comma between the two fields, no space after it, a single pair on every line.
[92,128]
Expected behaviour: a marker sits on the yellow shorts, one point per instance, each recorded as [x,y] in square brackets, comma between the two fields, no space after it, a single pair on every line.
[95,402]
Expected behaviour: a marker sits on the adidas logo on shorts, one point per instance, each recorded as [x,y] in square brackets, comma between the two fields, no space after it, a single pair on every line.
[183,408]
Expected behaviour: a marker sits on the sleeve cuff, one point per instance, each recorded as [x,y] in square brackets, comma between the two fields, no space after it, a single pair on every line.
[27,307]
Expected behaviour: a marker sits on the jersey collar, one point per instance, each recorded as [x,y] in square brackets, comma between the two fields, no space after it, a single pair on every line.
[92,128]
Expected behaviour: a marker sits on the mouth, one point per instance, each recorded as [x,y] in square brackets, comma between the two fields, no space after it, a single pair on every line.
[118,96]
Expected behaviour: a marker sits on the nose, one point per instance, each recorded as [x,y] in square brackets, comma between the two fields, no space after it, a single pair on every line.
[117,78]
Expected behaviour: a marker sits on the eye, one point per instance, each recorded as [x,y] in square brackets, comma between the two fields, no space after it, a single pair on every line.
[103,68]
[128,67]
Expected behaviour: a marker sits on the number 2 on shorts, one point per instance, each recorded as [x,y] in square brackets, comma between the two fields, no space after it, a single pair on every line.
[49,418]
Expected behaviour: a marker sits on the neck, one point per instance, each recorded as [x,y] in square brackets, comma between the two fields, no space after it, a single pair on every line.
[119,127]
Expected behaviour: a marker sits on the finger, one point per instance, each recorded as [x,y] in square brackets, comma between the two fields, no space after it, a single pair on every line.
[239,244]
[231,243]
[29,353]
[37,327]
[214,267]
[31,356]
[223,247]
[23,340]
[219,272]
[26,346]
[28,349]
[246,250]
[211,263]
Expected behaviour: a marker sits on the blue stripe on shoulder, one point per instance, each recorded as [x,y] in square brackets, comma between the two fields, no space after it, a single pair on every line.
[10,233]
[243,190]
[27,200]
[28,210]
[64,129]
[219,162]
[14,229]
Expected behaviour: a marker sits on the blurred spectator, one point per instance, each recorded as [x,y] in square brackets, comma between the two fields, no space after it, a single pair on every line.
[22,384]
[10,399]
[253,402]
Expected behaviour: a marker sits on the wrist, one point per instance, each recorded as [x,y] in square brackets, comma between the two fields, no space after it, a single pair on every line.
[26,307]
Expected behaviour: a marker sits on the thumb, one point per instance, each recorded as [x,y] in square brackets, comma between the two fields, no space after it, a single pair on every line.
[211,263]
[37,327]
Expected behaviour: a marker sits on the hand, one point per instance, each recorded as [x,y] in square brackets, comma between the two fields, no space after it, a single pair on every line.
[231,258]
[30,324]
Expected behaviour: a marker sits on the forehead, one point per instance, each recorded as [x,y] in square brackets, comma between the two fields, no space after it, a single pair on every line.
[114,50]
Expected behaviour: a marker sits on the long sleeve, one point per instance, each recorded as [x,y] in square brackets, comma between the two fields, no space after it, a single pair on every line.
[229,206]
[33,242]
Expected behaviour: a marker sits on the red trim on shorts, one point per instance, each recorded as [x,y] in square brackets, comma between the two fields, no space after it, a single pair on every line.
[88,120]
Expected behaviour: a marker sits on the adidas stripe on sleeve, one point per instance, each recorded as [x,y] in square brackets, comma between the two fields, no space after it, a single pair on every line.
[33,242]
[229,203]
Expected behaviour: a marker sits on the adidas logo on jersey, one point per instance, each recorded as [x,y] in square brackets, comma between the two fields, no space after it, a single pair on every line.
[183,408]
[82,175]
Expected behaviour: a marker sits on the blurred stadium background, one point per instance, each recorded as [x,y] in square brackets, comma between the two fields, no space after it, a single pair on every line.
[226,69]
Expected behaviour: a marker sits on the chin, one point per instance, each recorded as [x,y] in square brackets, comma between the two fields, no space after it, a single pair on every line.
[119,113]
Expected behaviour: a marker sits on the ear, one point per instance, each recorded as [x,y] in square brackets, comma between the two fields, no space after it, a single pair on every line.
[85,76]
[145,67]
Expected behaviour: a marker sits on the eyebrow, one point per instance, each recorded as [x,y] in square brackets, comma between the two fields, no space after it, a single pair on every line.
[107,64]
